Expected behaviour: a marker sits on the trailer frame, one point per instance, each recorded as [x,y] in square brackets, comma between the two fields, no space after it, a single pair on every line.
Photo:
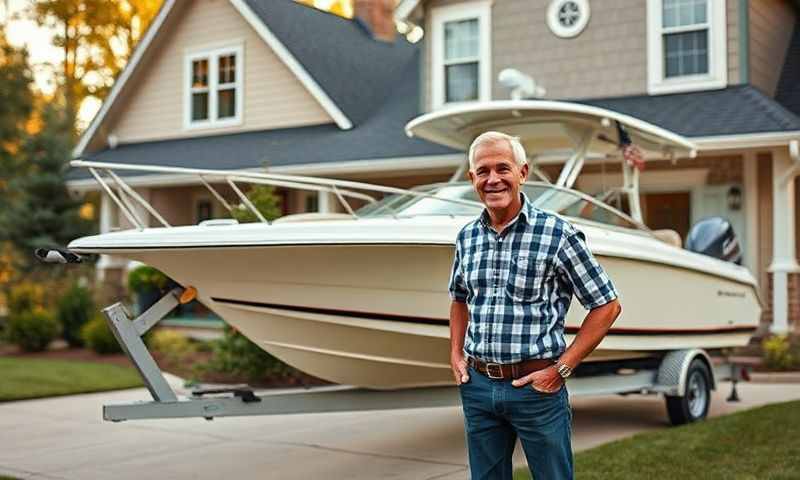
[670,378]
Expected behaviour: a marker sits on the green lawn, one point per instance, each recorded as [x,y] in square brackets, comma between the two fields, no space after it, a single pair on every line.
[753,444]
[22,378]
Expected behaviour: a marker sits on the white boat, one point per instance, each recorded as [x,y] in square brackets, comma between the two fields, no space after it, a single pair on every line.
[361,298]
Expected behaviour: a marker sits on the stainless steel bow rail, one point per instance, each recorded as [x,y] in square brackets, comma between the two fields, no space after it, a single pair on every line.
[684,377]
[124,196]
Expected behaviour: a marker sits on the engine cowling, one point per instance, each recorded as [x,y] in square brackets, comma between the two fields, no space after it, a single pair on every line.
[715,237]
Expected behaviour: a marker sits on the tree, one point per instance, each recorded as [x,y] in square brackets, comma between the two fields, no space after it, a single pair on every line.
[343,8]
[41,212]
[16,104]
[97,38]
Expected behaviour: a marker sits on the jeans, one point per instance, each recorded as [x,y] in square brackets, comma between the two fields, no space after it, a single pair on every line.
[496,413]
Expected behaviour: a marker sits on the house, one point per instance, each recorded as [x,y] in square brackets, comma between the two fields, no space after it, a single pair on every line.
[239,84]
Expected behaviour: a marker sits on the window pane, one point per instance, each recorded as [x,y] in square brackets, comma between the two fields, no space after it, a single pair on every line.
[200,73]
[678,13]
[461,82]
[227,69]
[204,210]
[461,39]
[226,103]
[200,106]
[686,53]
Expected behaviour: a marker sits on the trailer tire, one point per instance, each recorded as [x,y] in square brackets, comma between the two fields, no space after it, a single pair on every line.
[693,405]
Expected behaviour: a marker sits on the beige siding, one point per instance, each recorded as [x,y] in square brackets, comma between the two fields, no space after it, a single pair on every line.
[771,25]
[273,96]
[608,59]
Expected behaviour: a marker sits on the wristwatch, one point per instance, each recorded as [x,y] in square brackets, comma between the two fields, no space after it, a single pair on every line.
[563,369]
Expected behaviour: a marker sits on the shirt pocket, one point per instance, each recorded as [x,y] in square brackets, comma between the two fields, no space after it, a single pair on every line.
[526,279]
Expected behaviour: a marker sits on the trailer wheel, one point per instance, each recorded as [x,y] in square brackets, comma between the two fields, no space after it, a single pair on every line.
[693,405]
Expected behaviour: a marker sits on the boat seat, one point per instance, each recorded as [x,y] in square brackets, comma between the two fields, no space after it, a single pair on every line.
[669,236]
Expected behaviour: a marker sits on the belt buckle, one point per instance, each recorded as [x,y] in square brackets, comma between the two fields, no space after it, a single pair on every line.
[489,374]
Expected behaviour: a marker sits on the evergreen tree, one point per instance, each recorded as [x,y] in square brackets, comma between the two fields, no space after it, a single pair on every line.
[41,212]
[16,104]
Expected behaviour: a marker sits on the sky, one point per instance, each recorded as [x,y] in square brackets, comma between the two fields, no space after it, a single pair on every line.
[43,56]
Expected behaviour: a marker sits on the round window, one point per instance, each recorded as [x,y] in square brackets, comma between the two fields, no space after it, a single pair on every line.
[568,18]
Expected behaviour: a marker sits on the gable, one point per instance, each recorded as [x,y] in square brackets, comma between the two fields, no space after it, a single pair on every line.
[273,96]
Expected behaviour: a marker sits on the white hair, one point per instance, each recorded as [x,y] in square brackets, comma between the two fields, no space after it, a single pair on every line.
[517,149]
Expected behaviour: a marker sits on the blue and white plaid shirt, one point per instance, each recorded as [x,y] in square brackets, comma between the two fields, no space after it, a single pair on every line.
[518,285]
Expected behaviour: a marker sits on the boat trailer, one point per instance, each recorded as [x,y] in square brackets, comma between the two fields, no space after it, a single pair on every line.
[685,377]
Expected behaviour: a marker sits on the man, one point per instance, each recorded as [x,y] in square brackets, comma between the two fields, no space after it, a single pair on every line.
[516,268]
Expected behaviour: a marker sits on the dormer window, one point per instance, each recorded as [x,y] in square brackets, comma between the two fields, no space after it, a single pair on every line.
[461,70]
[214,88]
[686,45]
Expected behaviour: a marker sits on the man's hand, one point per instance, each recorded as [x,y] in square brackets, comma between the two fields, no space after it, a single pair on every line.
[459,365]
[546,380]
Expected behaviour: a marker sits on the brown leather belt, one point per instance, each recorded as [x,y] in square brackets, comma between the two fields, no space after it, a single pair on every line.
[509,371]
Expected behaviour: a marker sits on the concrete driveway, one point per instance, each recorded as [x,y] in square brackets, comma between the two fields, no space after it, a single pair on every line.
[65,438]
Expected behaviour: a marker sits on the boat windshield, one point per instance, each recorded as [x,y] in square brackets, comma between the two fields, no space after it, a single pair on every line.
[544,196]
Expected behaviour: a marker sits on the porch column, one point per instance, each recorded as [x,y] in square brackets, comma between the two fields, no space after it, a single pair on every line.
[324,202]
[784,260]
[750,177]
[108,210]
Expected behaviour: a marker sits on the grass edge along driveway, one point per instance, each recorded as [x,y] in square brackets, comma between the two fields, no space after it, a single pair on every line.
[27,378]
[752,444]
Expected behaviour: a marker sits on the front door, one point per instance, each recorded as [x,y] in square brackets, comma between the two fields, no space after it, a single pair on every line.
[668,211]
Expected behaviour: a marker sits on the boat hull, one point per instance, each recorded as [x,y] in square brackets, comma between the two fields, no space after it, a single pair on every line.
[376,315]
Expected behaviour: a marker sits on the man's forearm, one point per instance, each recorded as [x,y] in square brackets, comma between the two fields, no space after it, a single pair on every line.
[594,328]
[458,326]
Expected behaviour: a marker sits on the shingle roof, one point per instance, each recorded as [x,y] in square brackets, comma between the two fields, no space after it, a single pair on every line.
[381,135]
[730,111]
[356,72]
[788,91]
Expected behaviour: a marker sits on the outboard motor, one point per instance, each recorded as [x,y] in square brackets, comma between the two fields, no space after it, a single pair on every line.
[714,237]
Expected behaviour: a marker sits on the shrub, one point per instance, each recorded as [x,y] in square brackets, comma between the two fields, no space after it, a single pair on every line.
[32,330]
[778,353]
[173,345]
[73,311]
[236,355]
[97,336]
[145,278]
[265,200]
[25,297]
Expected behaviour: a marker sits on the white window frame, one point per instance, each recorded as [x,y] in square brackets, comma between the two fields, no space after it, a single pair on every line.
[717,76]
[213,55]
[480,10]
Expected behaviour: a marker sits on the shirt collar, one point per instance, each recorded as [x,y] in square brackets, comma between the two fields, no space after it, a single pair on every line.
[525,214]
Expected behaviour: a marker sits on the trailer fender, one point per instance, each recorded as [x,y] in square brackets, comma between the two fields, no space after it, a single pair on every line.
[674,368]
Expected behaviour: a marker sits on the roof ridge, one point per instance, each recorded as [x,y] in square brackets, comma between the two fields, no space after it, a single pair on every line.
[772,107]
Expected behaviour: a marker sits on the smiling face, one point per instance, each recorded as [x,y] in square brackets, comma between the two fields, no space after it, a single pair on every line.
[496,177]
